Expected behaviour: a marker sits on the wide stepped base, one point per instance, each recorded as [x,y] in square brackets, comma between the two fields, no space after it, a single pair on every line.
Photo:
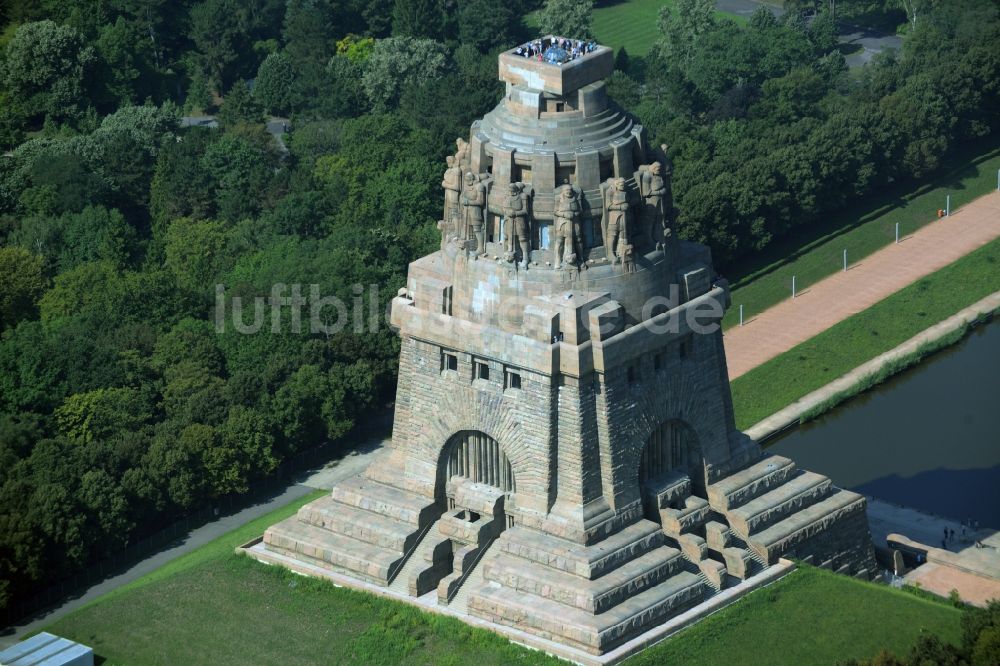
[364,529]
[591,597]
[781,511]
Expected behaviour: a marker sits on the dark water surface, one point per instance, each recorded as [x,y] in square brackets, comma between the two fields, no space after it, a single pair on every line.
[929,438]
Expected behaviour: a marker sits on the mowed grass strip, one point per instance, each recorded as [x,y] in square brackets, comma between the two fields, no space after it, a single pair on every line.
[766,278]
[811,616]
[843,347]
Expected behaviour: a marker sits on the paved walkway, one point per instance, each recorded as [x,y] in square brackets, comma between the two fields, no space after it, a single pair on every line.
[941,580]
[275,126]
[885,518]
[821,305]
[973,570]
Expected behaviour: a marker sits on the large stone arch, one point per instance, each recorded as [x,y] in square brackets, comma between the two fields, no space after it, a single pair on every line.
[672,446]
[660,398]
[529,450]
[474,455]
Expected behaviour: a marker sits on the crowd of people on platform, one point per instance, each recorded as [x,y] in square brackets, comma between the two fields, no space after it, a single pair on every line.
[555,50]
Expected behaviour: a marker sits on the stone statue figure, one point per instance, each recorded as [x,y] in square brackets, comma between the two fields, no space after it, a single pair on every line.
[615,223]
[517,227]
[653,189]
[472,200]
[452,185]
[566,214]
[462,155]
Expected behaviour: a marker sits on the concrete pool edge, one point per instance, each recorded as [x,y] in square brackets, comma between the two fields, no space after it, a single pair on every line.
[793,413]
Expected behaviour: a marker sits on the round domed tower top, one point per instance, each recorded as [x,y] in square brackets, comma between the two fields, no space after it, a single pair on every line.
[558,176]
[556,125]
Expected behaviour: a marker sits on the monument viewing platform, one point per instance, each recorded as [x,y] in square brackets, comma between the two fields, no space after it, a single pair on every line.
[556,65]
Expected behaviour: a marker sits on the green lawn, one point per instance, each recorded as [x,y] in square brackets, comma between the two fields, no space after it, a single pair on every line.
[838,350]
[766,278]
[633,24]
[234,610]
[214,607]
[811,616]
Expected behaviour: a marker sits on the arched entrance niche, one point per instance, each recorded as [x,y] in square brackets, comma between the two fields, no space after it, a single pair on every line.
[672,447]
[474,455]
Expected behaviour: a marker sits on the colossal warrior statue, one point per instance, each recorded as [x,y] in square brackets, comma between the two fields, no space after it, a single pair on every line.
[462,153]
[567,227]
[517,229]
[653,188]
[472,200]
[452,185]
[616,228]
[565,464]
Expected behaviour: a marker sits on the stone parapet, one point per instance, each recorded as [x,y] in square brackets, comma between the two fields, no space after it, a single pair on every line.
[561,79]
[678,521]
[783,537]
[587,561]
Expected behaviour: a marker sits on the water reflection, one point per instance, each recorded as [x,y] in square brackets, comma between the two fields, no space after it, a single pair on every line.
[930,438]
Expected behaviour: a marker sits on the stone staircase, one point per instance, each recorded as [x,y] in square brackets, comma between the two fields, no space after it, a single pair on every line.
[590,596]
[771,507]
[363,528]
[714,550]
[460,599]
[415,562]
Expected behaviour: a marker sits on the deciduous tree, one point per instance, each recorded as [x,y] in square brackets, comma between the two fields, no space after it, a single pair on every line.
[273,85]
[23,283]
[48,69]
[567,18]
[398,62]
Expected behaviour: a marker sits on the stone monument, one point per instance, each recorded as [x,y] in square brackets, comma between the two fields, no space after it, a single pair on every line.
[564,458]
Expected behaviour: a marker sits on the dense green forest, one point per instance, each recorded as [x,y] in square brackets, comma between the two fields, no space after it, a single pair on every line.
[121,405]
